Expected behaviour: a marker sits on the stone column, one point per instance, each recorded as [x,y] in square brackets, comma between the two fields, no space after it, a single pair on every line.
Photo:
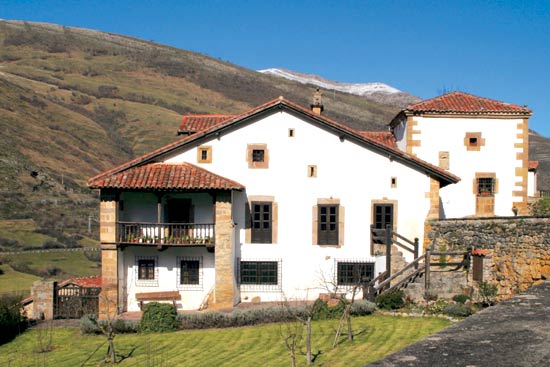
[225,288]
[108,299]
[43,294]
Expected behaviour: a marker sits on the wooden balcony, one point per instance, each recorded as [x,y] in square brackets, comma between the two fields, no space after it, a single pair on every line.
[165,234]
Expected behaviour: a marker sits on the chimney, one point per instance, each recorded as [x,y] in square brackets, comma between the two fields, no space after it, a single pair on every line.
[317,105]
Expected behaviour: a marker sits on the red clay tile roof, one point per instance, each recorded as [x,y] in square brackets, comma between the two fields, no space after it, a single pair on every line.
[162,176]
[193,123]
[384,137]
[533,165]
[443,176]
[86,282]
[460,102]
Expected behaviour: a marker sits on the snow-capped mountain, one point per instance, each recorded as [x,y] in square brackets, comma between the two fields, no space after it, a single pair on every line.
[378,91]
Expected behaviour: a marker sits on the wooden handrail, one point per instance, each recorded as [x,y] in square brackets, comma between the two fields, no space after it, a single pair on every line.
[393,276]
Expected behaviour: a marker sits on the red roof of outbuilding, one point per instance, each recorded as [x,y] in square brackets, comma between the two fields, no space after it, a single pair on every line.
[384,137]
[165,176]
[86,282]
[460,102]
[193,123]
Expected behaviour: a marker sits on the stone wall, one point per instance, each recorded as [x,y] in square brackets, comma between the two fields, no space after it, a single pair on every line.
[516,252]
[43,294]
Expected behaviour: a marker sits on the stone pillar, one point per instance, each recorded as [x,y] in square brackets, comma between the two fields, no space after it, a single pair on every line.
[43,294]
[225,288]
[108,303]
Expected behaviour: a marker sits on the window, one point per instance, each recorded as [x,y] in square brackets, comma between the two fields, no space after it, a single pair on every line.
[261,226]
[204,154]
[312,171]
[291,133]
[485,186]
[259,272]
[327,230]
[394,182]
[189,271]
[257,156]
[473,141]
[146,271]
[352,273]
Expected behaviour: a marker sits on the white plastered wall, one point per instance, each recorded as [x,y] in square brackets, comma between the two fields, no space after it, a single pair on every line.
[498,155]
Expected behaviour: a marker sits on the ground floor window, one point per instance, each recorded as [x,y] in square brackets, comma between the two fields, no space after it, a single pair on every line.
[147,271]
[189,272]
[260,273]
[353,273]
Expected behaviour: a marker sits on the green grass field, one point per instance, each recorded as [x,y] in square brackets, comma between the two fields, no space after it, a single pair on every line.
[12,281]
[376,336]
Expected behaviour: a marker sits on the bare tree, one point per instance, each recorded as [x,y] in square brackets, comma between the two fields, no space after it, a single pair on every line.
[106,326]
[294,325]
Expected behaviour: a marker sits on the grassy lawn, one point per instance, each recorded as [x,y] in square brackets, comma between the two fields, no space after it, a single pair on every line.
[376,336]
[14,281]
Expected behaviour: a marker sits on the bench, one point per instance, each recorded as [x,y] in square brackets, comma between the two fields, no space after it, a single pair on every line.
[158,296]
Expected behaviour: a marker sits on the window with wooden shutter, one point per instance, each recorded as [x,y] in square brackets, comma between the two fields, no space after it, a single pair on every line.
[383,217]
[327,229]
[261,226]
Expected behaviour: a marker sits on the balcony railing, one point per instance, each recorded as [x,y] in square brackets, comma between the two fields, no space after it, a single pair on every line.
[166,233]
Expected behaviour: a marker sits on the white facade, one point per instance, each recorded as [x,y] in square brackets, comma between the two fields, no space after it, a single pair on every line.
[347,171]
[500,142]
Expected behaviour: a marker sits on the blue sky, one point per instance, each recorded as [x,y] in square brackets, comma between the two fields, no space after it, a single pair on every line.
[495,48]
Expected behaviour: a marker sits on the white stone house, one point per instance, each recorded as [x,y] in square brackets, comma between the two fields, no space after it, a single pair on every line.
[483,141]
[257,207]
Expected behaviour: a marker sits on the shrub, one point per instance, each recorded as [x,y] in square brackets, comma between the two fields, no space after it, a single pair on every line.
[158,317]
[90,325]
[12,318]
[391,300]
[362,307]
[461,298]
[458,310]
[487,292]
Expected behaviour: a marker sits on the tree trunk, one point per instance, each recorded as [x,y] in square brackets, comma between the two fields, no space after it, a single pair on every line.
[308,340]
[348,319]
[112,349]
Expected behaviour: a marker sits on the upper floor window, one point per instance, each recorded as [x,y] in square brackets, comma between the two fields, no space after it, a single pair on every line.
[261,222]
[473,141]
[327,229]
[257,156]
